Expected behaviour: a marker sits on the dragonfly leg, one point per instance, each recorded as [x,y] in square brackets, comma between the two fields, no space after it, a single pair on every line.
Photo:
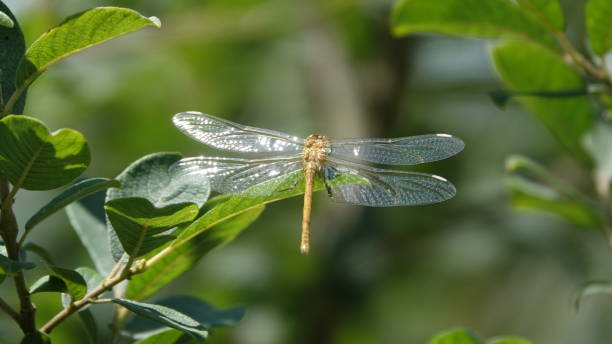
[329,173]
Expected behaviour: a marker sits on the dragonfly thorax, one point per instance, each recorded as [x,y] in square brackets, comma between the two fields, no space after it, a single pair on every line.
[316,149]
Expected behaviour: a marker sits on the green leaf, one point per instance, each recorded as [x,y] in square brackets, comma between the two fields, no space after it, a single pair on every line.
[12,49]
[598,143]
[72,193]
[11,267]
[76,33]
[39,250]
[89,325]
[509,340]
[6,21]
[456,336]
[167,337]
[202,312]
[166,316]
[525,67]
[592,288]
[531,186]
[182,258]
[140,226]
[33,159]
[599,26]
[548,12]
[36,338]
[92,280]
[93,235]
[75,283]
[491,18]
[48,284]
[150,177]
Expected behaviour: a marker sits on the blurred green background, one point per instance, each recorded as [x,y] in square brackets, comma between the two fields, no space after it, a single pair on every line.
[395,275]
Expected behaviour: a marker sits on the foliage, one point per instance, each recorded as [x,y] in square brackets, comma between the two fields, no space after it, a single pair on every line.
[464,336]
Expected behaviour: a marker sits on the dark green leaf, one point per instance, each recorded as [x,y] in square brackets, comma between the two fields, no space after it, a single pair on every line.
[12,49]
[202,312]
[166,316]
[36,338]
[48,284]
[33,159]
[491,18]
[93,235]
[598,143]
[75,283]
[509,340]
[599,25]
[10,267]
[531,186]
[150,177]
[525,67]
[548,12]
[72,193]
[457,336]
[140,226]
[183,258]
[592,288]
[90,326]
[76,33]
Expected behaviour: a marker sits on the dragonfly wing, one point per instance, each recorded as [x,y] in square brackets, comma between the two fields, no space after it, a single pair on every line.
[410,150]
[383,188]
[248,177]
[226,135]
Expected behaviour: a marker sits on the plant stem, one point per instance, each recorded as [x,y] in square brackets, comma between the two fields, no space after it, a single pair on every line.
[91,297]
[8,230]
[579,61]
[10,311]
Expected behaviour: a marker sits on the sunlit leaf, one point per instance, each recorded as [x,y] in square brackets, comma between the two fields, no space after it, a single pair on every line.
[78,32]
[169,336]
[12,49]
[525,67]
[548,12]
[599,25]
[491,18]
[48,284]
[76,285]
[140,226]
[6,21]
[34,159]
[72,193]
[457,336]
[182,258]
[509,340]
[167,317]
[92,280]
[202,312]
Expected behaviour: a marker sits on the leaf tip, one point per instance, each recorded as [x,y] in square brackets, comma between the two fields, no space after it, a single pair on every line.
[156,22]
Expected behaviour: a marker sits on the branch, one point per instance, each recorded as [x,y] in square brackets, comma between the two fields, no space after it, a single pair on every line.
[9,229]
[92,296]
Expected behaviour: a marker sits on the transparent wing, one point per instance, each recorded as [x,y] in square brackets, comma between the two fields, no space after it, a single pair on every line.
[410,150]
[383,188]
[251,178]
[223,134]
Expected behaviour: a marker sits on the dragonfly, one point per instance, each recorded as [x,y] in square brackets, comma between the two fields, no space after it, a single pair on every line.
[344,165]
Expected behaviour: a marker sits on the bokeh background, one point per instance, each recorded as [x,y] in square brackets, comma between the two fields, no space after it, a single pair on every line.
[394,275]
